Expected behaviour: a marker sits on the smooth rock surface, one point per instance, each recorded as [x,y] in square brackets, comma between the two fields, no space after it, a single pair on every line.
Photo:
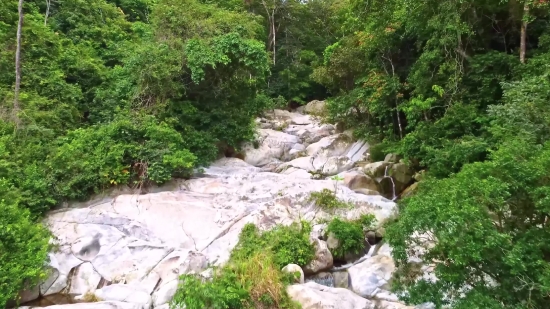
[371,276]
[124,293]
[315,296]
[96,305]
[142,243]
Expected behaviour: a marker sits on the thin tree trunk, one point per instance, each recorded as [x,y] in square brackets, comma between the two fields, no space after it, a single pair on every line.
[522,46]
[48,3]
[274,35]
[18,66]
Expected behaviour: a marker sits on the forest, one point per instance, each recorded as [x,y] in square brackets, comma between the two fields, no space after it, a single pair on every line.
[100,93]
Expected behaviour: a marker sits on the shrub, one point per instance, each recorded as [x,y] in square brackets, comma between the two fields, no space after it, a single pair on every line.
[350,234]
[125,151]
[327,200]
[252,278]
[23,249]
[255,282]
[287,244]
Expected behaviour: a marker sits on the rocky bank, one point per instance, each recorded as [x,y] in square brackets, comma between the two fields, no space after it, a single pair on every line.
[126,250]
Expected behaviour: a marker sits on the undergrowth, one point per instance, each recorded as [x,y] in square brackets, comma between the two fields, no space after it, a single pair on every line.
[350,234]
[252,278]
[327,200]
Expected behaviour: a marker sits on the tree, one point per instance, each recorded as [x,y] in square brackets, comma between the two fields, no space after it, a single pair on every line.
[23,248]
[16,107]
[483,229]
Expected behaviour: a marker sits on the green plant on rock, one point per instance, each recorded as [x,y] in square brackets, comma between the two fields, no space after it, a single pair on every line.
[253,277]
[327,200]
[287,244]
[350,234]
[336,178]
[253,283]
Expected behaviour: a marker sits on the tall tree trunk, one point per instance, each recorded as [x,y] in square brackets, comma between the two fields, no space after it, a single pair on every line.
[272,31]
[18,66]
[523,40]
[274,34]
[48,3]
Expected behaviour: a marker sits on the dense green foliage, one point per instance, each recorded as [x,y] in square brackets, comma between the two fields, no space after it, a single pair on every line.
[23,248]
[447,85]
[350,234]
[252,278]
[489,222]
[287,244]
[135,92]
[119,93]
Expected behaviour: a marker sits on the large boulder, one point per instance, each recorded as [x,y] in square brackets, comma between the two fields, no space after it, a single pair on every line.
[336,165]
[371,276]
[312,295]
[85,280]
[376,170]
[357,180]
[330,146]
[323,258]
[315,107]
[402,175]
[271,145]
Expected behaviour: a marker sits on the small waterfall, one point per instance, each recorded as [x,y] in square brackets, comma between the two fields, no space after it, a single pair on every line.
[346,266]
[393,183]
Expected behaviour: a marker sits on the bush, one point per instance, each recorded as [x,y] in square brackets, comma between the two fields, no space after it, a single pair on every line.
[350,234]
[23,248]
[252,278]
[256,282]
[287,244]
[327,200]
[125,151]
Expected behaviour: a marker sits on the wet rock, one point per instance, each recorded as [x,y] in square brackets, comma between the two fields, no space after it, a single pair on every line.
[341,279]
[322,278]
[376,169]
[410,190]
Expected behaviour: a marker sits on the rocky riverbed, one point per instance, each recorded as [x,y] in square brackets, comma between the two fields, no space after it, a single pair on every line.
[127,250]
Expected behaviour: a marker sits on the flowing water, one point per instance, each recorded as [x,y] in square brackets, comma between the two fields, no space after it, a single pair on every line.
[393,183]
